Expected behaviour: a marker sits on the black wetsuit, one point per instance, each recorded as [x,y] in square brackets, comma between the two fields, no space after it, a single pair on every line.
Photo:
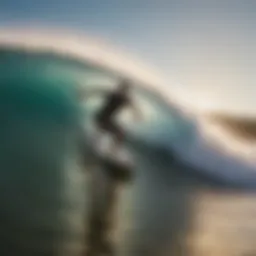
[105,117]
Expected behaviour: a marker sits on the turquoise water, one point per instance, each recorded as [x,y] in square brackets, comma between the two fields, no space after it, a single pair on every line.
[43,192]
[39,121]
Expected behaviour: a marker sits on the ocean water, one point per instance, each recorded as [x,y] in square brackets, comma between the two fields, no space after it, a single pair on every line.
[168,209]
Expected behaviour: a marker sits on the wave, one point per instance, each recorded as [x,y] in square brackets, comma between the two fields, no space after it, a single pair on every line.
[179,133]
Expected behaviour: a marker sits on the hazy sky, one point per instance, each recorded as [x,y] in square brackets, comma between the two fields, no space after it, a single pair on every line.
[206,47]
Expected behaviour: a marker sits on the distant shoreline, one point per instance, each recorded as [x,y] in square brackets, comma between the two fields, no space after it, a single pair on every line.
[243,127]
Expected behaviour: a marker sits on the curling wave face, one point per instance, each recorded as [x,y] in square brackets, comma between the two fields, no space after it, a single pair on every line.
[42,194]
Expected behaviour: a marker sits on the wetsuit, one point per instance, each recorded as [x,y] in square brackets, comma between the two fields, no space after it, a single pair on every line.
[105,117]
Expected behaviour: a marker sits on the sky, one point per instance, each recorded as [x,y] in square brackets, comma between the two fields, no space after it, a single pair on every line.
[206,48]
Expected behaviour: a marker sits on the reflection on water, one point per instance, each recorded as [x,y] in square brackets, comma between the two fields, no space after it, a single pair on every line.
[225,224]
[168,210]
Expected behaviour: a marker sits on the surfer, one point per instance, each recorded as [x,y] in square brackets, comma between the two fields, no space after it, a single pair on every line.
[115,101]
[105,120]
